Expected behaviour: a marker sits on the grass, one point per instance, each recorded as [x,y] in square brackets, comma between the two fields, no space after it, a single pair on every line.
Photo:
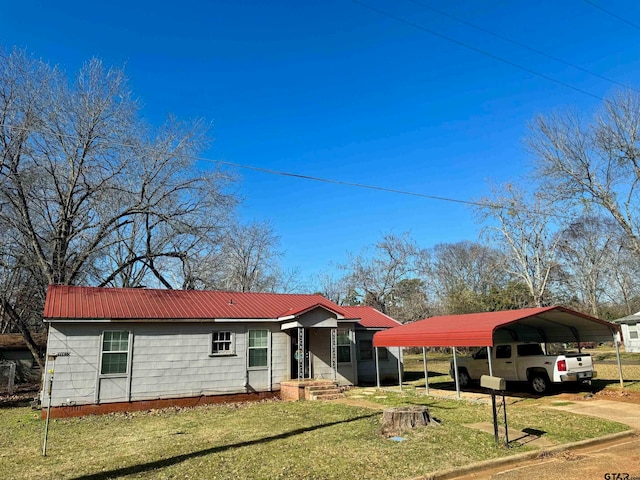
[283,440]
[266,440]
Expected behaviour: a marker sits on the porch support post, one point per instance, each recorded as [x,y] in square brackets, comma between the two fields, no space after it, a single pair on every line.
[455,371]
[400,368]
[426,374]
[300,352]
[489,355]
[615,341]
[377,369]
[334,353]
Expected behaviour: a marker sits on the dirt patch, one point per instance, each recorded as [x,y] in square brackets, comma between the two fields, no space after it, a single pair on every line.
[606,394]
[22,396]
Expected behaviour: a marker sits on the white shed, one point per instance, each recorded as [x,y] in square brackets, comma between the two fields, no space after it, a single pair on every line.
[630,327]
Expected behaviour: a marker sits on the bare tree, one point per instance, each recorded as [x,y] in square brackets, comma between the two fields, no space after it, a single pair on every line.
[331,287]
[587,251]
[624,271]
[88,192]
[526,232]
[249,260]
[464,274]
[374,274]
[597,161]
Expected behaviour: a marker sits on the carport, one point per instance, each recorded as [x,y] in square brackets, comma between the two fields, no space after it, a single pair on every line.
[542,325]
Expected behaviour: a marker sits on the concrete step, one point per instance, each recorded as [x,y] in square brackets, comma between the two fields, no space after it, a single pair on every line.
[321,388]
[324,392]
[333,396]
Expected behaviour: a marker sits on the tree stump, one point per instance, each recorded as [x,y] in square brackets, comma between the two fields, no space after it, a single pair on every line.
[400,419]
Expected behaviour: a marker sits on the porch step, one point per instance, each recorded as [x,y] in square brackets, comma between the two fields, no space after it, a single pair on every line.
[324,392]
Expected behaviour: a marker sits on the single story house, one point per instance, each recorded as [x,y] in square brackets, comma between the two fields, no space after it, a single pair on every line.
[123,349]
[630,327]
[13,349]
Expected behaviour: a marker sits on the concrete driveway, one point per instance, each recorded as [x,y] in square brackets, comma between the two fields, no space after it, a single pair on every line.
[593,461]
[622,412]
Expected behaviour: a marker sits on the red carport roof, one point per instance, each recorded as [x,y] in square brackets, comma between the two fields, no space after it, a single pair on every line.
[545,324]
[94,303]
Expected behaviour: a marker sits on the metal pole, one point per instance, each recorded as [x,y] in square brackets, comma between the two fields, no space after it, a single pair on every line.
[455,372]
[46,425]
[615,341]
[489,353]
[377,369]
[426,373]
[506,427]
[400,367]
[495,417]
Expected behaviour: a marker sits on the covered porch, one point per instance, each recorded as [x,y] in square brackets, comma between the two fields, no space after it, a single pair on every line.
[322,347]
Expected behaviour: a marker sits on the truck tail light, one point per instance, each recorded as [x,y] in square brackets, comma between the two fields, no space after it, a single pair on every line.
[562,365]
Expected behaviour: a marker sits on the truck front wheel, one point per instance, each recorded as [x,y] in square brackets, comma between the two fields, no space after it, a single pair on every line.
[540,383]
[464,380]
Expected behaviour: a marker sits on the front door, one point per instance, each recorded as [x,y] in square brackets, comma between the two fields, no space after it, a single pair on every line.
[297,352]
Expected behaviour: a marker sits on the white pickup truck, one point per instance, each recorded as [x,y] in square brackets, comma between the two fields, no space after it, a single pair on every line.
[526,362]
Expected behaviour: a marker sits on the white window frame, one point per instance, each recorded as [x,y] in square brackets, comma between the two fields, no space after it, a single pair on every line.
[109,352]
[634,329]
[231,341]
[266,348]
[342,331]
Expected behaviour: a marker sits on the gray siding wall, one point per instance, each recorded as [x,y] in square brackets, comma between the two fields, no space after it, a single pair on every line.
[167,360]
[75,376]
[367,368]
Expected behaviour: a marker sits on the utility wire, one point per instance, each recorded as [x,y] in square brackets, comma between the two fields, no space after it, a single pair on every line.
[608,12]
[519,44]
[309,177]
[477,50]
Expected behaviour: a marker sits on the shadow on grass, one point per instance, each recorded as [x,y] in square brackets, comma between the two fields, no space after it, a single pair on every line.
[166,462]
[413,376]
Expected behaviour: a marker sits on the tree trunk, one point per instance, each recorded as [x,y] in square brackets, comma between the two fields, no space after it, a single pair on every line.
[26,334]
[401,419]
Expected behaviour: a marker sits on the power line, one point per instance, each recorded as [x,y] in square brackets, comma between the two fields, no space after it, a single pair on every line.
[520,44]
[307,177]
[608,12]
[477,50]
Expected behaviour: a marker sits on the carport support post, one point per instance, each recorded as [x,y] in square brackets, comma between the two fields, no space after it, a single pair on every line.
[455,372]
[377,369]
[489,354]
[400,368]
[426,374]
[615,341]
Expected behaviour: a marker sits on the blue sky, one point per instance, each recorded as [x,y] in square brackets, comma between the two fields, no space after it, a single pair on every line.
[333,89]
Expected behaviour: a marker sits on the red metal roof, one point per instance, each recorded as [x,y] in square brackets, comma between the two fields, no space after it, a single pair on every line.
[370,317]
[545,324]
[79,303]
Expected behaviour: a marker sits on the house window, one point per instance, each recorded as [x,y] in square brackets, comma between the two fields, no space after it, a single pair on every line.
[115,350]
[383,353]
[633,332]
[222,343]
[366,350]
[344,346]
[258,342]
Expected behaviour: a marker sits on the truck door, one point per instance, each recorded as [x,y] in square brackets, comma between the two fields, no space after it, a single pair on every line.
[504,364]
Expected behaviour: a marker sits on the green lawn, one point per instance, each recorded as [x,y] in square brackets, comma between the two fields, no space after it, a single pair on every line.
[266,440]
